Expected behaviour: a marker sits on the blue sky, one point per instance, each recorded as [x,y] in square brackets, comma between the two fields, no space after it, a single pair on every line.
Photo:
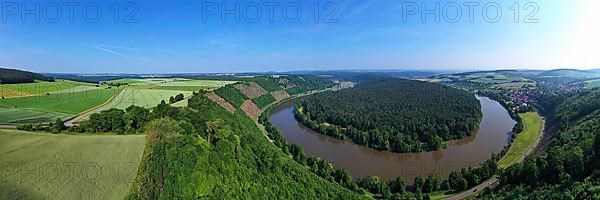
[171,37]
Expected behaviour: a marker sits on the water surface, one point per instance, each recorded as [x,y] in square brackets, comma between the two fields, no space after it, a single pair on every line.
[361,161]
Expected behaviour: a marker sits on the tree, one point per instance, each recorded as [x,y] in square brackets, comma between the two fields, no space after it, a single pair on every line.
[211,129]
[432,183]
[136,118]
[57,126]
[574,163]
[419,183]
[398,185]
[371,183]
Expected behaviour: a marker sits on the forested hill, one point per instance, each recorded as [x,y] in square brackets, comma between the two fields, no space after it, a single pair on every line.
[205,152]
[570,168]
[11,76]
[393,114]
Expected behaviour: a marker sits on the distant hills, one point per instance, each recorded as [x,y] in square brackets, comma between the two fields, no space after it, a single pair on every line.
[13,76]
[570,73]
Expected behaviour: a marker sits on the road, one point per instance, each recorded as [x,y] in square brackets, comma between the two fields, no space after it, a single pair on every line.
[85,115]
[494,179]
[7,127]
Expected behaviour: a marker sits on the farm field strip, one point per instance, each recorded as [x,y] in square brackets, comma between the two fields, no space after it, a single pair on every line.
[69,103]
[525,140]
[38,88]
[144,97]
[46,166]
[16,115]
[593,84]
[201,83]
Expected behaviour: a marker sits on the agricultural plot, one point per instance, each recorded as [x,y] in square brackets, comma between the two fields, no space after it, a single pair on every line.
[45,166]
[193,85]
[593,84]
[494,78]
[67,103]
[40,88]
[516,85]
[20,116]
[146,81]
[144,97]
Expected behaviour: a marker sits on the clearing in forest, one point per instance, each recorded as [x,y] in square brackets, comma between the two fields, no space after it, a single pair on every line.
[280,95]
[251,89]
[221,101]
[250,109]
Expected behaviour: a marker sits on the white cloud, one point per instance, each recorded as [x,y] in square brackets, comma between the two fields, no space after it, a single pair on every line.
[110,51]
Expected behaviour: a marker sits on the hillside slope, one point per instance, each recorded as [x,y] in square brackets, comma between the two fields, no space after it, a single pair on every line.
[570,168]
[221,155]
[12,76]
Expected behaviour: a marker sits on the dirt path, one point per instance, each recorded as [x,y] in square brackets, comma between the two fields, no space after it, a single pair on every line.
[8,127]
[86,114]
[494,180]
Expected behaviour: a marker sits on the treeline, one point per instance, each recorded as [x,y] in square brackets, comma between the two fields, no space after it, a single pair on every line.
[129,121]
[54,127]
[394,189]
[13,76]
[570,167]
[391,114]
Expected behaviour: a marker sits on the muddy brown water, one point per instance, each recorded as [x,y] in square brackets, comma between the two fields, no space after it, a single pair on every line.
[360,161]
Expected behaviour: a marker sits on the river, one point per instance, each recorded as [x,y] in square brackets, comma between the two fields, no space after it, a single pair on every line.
[360,161]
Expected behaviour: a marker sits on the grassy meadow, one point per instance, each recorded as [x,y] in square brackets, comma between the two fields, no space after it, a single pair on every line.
[40,88]
[144,97]
[194,85]
[525,140]
[67,103]
[593,84]
[17,115]
[46,166]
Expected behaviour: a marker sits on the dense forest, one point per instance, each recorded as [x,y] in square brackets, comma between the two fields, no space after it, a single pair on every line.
[13,76]
[570,167]
[393,114]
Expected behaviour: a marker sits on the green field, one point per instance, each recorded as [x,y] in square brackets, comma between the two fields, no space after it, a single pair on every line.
[68,103]
[593,84]
[17,115]
[179,84]
[38,88]
[525,140]
[144,97]
[194,85]
[515,85]
[45,166]
[146,81]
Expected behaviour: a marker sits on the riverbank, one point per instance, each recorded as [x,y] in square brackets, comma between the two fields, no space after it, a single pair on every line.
[525,141]
[525,144]
[491,138]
